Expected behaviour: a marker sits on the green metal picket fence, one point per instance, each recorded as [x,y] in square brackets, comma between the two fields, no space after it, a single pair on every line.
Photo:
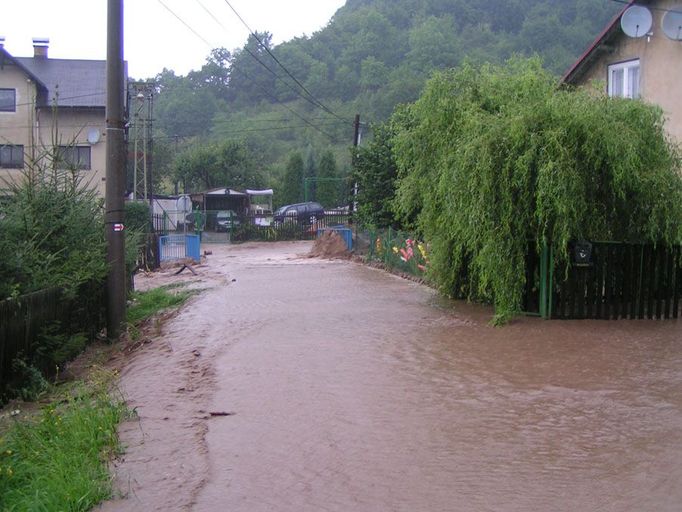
[612,280]
[398,250]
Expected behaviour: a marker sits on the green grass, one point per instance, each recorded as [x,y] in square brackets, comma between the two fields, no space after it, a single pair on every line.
[147,304]
[57,459]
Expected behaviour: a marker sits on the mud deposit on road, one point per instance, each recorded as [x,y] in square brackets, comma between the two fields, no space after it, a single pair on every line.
[349,389]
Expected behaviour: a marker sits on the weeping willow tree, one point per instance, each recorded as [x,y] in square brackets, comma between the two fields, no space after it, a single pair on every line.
[494,158]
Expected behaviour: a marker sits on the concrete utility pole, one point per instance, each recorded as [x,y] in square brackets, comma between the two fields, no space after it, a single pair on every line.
[115,172]
[356,142]
[356,131]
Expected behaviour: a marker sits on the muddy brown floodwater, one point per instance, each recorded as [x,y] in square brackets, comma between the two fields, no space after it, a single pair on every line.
[349,389]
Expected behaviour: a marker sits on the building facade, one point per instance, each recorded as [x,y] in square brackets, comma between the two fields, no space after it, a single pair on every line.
[647,66]
[52,110]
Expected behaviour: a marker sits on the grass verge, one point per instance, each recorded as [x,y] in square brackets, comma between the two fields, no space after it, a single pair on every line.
[146,304]
[57,459]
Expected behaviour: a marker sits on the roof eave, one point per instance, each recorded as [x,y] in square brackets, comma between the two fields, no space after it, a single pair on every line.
[575,70]
[17,63]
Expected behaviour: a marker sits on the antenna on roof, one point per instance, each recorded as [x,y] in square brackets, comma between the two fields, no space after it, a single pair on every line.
[672,23]
[636,21]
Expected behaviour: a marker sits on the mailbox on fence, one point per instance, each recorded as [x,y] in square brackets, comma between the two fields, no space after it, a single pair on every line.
[179,247]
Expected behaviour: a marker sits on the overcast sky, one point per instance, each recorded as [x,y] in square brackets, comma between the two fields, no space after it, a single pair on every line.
[155,38]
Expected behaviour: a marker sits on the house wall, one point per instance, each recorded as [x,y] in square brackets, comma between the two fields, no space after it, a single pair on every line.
[15,127]
[72,127]
[660,68]
[35,128]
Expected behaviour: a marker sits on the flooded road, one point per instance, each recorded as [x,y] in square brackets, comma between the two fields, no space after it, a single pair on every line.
[348,389]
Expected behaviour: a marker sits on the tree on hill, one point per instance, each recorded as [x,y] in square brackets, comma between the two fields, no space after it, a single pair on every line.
[230,164]
[292,183]
[330,184]
[309,175]
[181,109]
[375,171]
[371,56]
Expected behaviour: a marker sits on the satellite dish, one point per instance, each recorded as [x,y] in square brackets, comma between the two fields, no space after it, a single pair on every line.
[93,136]
[636,21]
[183,204]
[672,23]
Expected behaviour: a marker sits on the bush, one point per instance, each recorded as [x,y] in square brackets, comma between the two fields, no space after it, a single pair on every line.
[51,232]
[53,347]
[491,158]
[375,172]
[138,216]
[138,225]
[28,383]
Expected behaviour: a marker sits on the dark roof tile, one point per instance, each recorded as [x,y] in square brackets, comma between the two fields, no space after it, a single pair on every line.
[78,83]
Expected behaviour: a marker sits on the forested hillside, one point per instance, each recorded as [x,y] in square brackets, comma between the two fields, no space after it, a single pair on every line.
[373,55]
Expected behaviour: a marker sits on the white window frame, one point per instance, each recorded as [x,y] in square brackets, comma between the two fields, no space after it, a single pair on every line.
[627,90]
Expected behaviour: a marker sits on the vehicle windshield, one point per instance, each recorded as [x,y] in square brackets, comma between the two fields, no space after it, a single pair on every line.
[226,215]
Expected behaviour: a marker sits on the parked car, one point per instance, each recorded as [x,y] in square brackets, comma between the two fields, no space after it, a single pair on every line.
[302,213]
[226,220]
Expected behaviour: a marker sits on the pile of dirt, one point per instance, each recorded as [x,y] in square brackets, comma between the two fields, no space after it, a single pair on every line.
[329,245]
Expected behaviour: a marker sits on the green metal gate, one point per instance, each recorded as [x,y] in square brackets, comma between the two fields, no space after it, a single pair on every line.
[618,280]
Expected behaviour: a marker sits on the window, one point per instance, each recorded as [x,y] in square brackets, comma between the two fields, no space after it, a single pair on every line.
[12,156]
[8,100]
[624,79]
[74,157]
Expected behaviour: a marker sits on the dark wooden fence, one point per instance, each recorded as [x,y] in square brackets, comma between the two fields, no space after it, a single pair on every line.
[617,280]
[24,319]
[21,320]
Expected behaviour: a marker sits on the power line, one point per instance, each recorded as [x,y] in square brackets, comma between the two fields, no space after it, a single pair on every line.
[185,24]
[250,130]
[281,124]
[263,64]
[264,46]
[89,95]
[267,93]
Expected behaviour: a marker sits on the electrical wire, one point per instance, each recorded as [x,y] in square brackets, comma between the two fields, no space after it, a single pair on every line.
[89,95]
[313,101]
[265,91]
[272,96]
[248,130]
[265,47]
[185,24]
[263,64]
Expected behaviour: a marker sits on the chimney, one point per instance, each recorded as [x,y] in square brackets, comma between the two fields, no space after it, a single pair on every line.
[40,45]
